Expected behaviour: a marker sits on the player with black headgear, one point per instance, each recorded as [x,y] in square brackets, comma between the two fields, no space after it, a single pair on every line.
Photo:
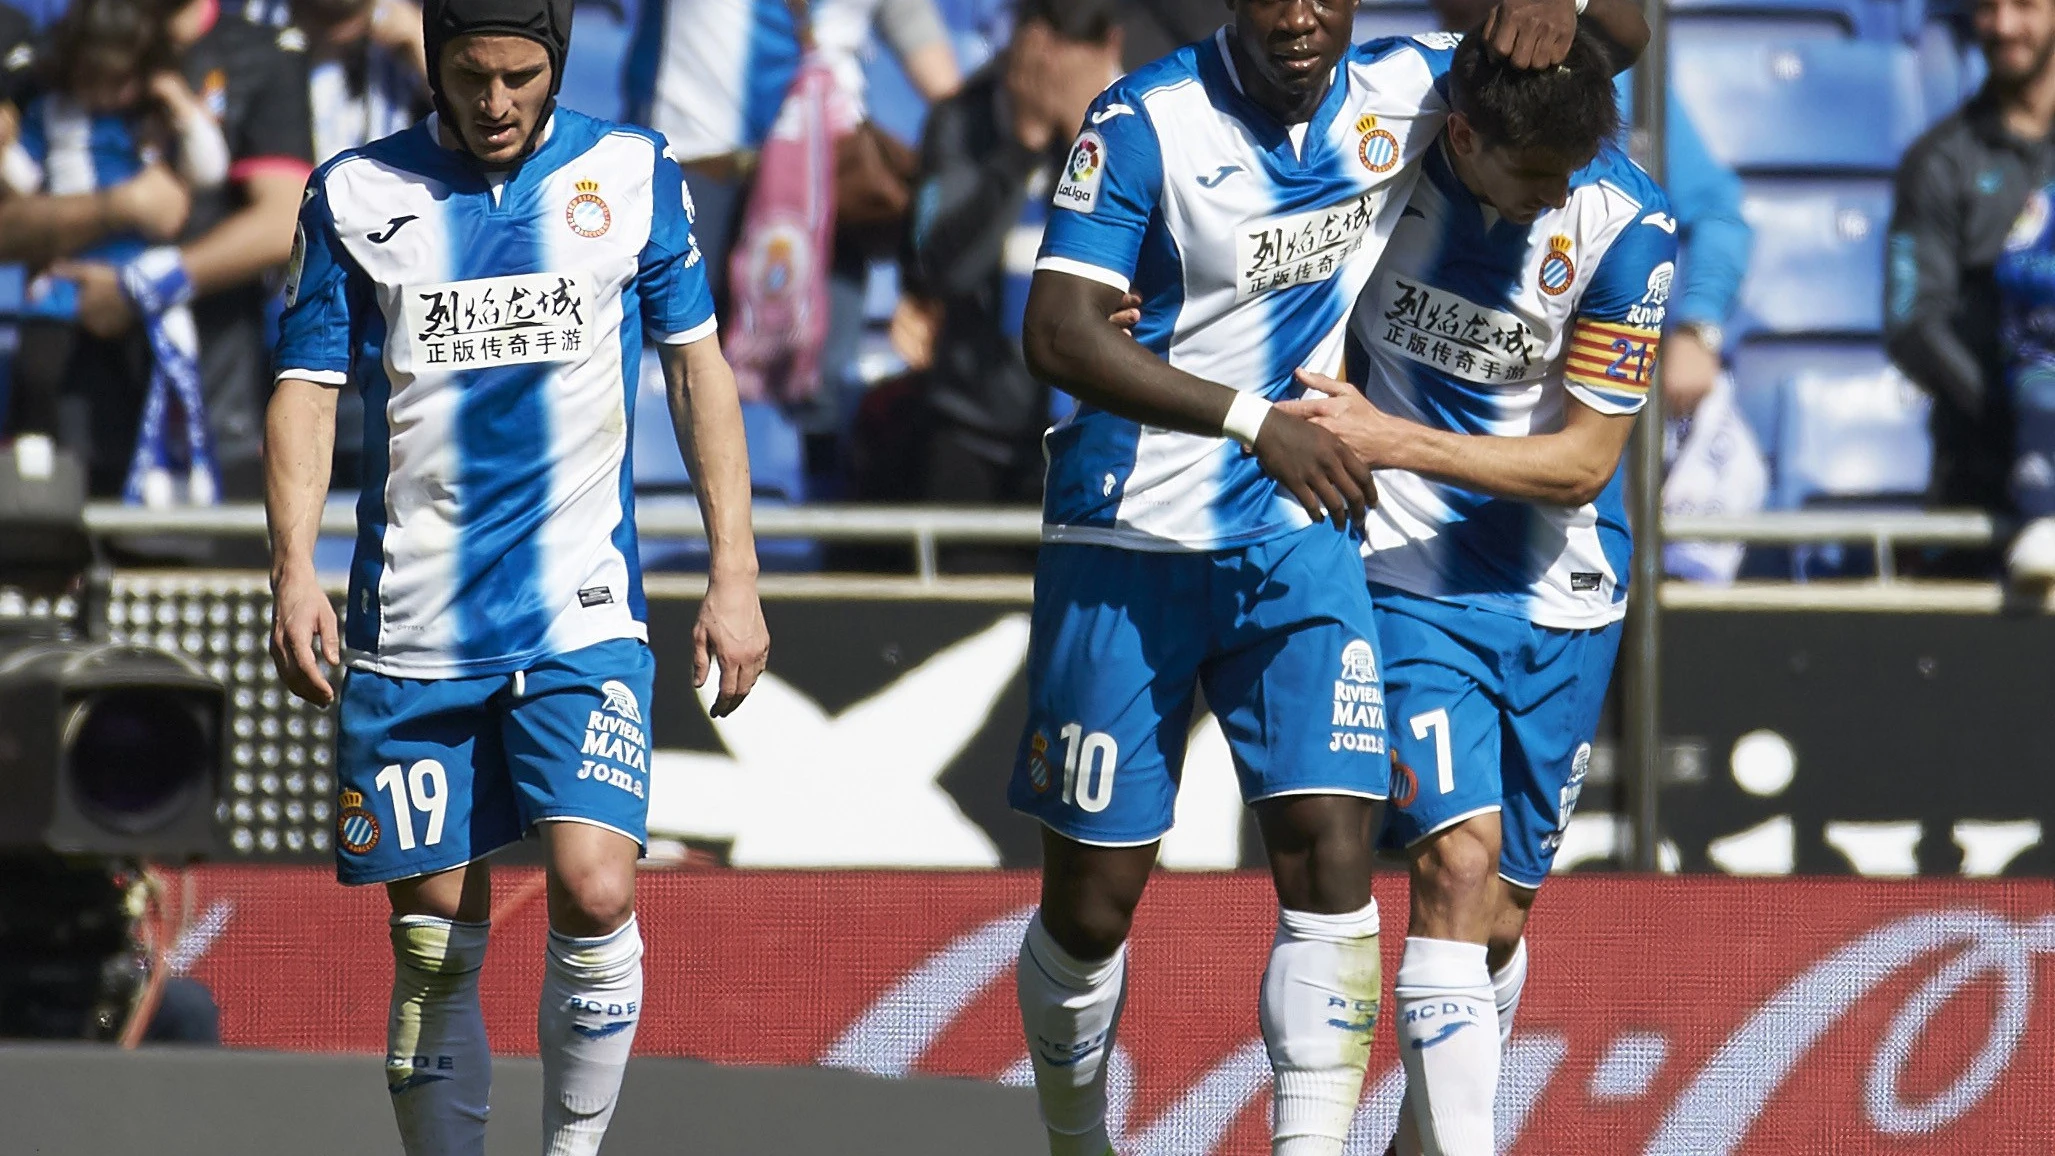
[476,276]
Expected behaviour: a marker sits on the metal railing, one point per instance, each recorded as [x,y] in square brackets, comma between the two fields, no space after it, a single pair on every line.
[924,528]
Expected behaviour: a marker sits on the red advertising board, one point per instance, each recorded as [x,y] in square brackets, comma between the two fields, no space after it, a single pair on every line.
[1664,1016]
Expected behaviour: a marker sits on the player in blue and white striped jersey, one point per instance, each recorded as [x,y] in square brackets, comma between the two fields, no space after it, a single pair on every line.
[488,278]
[1242,188]
[1505,343]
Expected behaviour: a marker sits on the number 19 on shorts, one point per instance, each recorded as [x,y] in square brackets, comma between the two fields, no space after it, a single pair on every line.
[426,787]
[1089,760]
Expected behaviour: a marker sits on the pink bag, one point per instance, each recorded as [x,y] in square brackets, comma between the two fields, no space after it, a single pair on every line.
[778,272]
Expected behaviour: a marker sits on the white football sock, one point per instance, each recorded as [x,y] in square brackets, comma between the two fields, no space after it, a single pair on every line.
[1448,1040]
[1319,1011]
[1506,984]
[591,1002]
[437,1065]
[1069,1008]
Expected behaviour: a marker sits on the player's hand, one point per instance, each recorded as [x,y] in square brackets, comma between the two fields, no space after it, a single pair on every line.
[1128,315]
[103,309]
[304,632]
[1370,434]
[730,633]
[1531,33]
[1316,467]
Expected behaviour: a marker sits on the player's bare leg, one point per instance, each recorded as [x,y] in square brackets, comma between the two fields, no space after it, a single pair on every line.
[1506,956]
[1072,978]
[437,1066]
[592,983]
[1449,1033]
[1320,990]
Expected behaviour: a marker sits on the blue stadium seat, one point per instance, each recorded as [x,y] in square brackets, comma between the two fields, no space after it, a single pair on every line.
[1803,106]
[1852,436]
[1761,367]
[777,453]
[592,71]
[1405,19]
[1799,19]
[1818,263]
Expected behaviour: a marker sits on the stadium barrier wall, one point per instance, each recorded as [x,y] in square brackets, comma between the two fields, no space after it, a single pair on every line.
[1807,740]
[1664,1016]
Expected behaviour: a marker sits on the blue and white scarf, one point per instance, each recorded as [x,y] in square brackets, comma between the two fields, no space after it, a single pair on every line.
[157,284]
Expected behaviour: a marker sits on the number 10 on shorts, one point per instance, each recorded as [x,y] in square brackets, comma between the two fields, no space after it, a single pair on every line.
[1088,764]
[424,785]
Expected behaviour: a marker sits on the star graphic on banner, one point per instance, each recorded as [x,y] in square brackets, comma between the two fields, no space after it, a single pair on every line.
[798,788]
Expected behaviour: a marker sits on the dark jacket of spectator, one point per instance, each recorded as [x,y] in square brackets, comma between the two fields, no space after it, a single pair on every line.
[965,252]
[1959,190]
[255,80]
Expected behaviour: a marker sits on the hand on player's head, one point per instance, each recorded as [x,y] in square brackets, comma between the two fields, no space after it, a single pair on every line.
[1530,34]
[1517,135]
[497,89]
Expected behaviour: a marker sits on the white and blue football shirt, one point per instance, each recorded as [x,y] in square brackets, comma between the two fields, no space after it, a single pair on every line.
[1477,325]
[1247,241]
[495,324]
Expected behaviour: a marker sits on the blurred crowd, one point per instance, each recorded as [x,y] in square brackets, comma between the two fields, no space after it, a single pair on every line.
[153,152]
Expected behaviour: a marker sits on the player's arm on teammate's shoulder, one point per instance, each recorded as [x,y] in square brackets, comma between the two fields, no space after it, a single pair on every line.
[1608,363]
[1568,467]
[705,408]
[1537,33]
[313,362]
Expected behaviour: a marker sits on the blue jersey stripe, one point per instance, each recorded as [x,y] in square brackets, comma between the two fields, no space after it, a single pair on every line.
[503,438]
[367,564]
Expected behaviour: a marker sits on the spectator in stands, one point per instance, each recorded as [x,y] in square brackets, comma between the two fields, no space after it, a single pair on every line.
[988,163]
[112,105]
[254,81]
[711,75]
[1960,192]
[1713,242]
[367,72]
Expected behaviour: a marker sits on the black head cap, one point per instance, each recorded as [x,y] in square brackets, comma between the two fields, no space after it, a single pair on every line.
[546,22]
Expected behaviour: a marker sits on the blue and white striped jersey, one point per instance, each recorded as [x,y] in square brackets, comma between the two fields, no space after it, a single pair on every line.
[495,326]
[1248,242]
[71,150]
[1477,325]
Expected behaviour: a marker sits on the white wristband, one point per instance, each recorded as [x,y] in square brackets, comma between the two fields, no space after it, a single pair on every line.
[1582,5]
[1244,418]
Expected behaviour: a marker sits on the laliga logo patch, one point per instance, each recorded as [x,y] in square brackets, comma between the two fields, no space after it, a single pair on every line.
[1038,763]
[356,829]
[1379,150]
[1557,271]
[1086,168]
[587,215]
[620,700]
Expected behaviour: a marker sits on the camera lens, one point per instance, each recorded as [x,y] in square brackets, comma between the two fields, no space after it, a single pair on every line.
[136,757]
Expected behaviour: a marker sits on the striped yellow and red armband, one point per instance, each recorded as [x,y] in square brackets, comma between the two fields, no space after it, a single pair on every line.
[1613,358]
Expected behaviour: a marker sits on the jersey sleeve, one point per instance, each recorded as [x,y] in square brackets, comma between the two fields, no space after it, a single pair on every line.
[1111,183]
[677,305]
[1617,332]
[314,330]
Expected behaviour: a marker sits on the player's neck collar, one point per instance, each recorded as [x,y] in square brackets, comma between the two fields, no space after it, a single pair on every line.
[434,122]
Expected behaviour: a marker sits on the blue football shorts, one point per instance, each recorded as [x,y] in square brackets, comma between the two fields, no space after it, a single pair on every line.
[1489,712]
[1280,636]
[436,773]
